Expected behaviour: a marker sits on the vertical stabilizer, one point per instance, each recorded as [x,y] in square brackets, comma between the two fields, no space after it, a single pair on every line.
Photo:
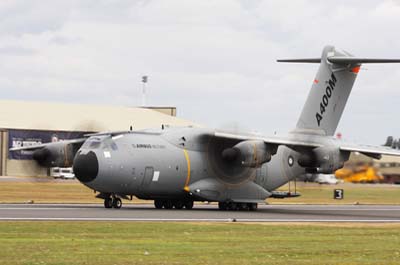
[330,89]
[329,93]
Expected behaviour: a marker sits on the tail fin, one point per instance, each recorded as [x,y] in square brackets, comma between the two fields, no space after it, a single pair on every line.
[331,88]
[389,141]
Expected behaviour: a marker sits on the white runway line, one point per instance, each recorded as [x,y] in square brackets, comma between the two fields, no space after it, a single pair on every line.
[205,220]
[138,207]
[45,208]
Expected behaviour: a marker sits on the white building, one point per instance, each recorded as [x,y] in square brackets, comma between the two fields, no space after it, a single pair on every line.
[20,120]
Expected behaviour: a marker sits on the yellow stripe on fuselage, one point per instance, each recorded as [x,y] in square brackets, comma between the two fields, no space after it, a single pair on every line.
[186,187]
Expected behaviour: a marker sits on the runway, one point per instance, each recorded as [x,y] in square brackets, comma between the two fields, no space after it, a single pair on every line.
[201,213]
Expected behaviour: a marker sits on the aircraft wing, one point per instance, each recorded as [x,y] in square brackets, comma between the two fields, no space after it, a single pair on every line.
[39,146]
[370,150]
[268,140]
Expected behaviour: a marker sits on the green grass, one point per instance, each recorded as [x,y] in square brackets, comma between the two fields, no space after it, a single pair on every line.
[74,192]
[312,193]
[190,243]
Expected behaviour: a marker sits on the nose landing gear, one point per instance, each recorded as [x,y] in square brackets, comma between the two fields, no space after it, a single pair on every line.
[112,202]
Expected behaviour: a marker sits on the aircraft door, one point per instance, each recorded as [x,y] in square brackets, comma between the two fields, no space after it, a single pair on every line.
[148,176]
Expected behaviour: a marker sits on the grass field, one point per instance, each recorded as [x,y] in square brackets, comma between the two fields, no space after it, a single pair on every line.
[74,192]
[186,243]
[353,193]
[41,192]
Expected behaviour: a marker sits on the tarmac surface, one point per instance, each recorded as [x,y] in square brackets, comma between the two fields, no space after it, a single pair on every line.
[200,213]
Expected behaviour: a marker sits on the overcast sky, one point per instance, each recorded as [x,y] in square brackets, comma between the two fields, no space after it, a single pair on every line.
[214,60]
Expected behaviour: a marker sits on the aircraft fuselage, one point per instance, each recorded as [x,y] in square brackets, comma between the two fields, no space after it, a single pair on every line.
[165,163]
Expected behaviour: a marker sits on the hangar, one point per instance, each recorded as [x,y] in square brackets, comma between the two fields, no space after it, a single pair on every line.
[25,123]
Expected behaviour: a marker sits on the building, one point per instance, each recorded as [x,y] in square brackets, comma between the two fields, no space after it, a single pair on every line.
[389,166]
[32,122]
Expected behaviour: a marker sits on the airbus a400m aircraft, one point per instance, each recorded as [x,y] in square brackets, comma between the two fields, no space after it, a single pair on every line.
[177,166]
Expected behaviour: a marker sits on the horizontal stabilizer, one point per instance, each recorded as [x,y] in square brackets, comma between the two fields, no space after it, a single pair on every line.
[340,60]
[306,60]
[356,60]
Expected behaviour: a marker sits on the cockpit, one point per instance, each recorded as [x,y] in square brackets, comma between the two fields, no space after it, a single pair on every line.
[100,142]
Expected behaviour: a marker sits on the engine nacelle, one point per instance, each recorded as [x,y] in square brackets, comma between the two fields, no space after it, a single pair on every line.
[234,161]
[249,153]
[57,154]
[325,160]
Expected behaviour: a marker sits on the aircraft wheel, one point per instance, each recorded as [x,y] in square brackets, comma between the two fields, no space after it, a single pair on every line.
[168,204]
[178,204]
[253,206]
[222,206]
[242,206]
[232,206]
[158,204]
[117,203]
[189,205]
[108,203]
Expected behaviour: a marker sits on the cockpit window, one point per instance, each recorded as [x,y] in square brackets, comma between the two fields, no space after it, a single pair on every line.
[94,144]
[105,143]
[110,144]
[114,146]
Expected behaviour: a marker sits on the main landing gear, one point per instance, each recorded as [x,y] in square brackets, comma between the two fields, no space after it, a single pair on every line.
[169,204]
[112,202]
[237,206]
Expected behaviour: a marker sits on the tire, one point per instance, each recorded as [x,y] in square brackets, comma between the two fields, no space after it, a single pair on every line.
[158,204]
[253,206]
[222,206]
[178,204]
[117,203]
[189,205]
[242,206]
[232,206]
[108,203]
[168,204]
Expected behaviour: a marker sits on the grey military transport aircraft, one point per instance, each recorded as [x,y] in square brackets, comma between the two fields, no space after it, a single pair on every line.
[177,166]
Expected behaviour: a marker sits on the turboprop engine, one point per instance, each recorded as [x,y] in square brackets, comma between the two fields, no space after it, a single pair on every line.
[57,154]
[325,160]
[235,161]
[248,153]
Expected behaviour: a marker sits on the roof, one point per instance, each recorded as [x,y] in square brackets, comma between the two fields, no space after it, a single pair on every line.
[79,117]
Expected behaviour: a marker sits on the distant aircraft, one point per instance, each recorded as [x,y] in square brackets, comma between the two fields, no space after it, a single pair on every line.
[177,166]
[326,179]
[393,143]
[319,178]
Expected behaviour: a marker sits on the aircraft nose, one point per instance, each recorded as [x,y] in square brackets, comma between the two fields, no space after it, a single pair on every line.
[86,166]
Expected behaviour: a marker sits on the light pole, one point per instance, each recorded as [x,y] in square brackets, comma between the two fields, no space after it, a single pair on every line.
[144,81]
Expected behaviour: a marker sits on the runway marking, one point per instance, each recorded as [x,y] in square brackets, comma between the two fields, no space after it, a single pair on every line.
[201,220]
[139,207]
[46,208]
